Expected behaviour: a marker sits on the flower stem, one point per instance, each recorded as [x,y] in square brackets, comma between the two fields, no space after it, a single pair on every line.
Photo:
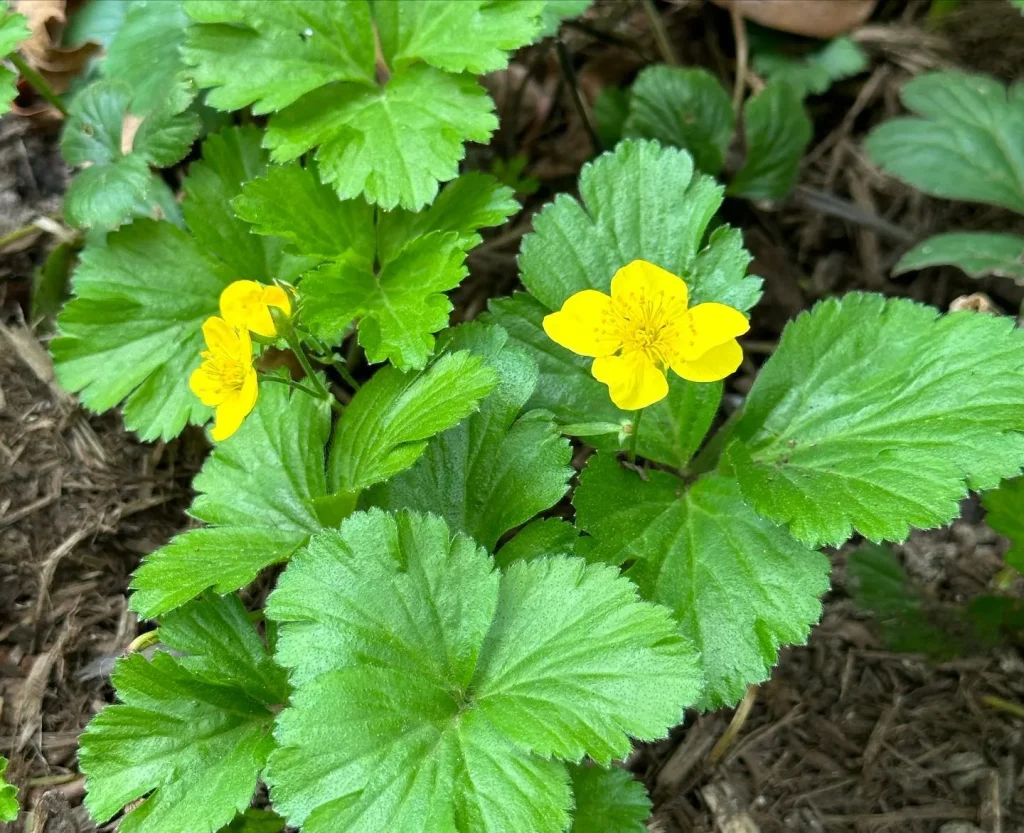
[345,373]
[293,384]
[636,433]
[38,82]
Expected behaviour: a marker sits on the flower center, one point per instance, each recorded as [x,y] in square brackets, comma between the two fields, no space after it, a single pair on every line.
[229,372]
[648,324]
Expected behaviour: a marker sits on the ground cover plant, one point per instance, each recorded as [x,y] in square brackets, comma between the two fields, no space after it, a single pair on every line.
[505,549]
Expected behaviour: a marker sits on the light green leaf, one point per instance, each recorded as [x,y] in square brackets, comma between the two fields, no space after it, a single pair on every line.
[191,733]
[816,71]
[97,22]
[1005,514]
[740,586]
[257,491]
[607,801]
[496,469]
[8,796]
[386,426]
[13,30]
[539,538]
[877,415]
[432,690]
[966,141]
[685,108]
[107,195]
[555,11]
[976,253]
[778,131]
[144,54]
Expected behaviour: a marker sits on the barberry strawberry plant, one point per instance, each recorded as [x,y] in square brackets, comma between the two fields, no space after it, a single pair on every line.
[451,641]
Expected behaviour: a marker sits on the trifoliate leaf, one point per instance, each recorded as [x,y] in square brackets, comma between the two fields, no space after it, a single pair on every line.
[257,491]
[144,54]
[8,796]
[117,184]
[877,415]
[191,733]
[539,538]
[966,141]
[1005,514]
[607,801]
[555,11]
[976,253]
[493,471]
[685,108]
[13,30]
[778,131]
[386,426]
[389,131]
[432,691]
[816,71]
[740,586]
[133,329]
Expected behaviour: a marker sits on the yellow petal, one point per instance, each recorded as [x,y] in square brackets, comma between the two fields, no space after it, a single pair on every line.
[243,348]
[717,363]
[233,411]
[633,380]
[240,301]
[207,386]
[642,282]
[220,336]
[707,326]
[586,324]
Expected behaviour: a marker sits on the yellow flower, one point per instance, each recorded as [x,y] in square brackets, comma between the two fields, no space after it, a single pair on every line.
[647,322]
[245,305]
[226,380]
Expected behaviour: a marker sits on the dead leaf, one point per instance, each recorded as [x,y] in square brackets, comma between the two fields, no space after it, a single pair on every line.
[814,18]
[43,51]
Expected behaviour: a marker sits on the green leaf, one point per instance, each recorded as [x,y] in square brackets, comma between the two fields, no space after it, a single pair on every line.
[117,186]
[778,131]
[8,796]
[191,733]
[607,801]
[13,30]
[539,538]
[1005,514]
[433,692]
[496,469]
[685,108]
[386,426]
[144,54]
[977,253]
[965,143]
[555,11]
[97,22]
[611,109]
[256,492]
[816,71]
[740,586]
[256,821]
[876,415]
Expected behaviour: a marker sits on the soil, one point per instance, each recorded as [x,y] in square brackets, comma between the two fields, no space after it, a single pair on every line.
[846,736]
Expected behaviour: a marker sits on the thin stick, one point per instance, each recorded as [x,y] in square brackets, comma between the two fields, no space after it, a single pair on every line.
[668,52]
[735,725]
[581,109]
[739,30]
[38,82]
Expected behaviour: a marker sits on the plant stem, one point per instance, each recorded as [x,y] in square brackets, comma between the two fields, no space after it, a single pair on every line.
[38,82]
[345,373]
[293,384]
[739,29]
[635,434]
[668,52]
[565,60]
[143,641]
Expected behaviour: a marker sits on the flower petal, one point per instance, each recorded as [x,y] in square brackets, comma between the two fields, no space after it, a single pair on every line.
[640,281]
[633,380]
[707,326]
[243,348]
[207,386]
[220,336]
[274,296]
[240,302]
[586,324]
[233,411]
[717,363]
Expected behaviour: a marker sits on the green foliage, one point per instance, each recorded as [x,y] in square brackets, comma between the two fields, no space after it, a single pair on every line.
[607,801]
[611,109]
[117,185]
[256,821]
[550,536]
[965,141]
[555,11]
[387,425]
[13,30]
[496,469]
[192,733]
[8,796]
[434,692]
[778,131]
[686,108]
[391,275]
[1005,508]
[740,586]
[133,329]
[876,415]
[976,253]
[258,493]
[388,130]
[815,72]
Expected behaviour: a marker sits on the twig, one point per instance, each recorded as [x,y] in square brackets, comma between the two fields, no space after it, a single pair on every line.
[844,210]
[735,725]
[739,30]
[1016,709]
[38,82]
[581,109]
[668,52]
